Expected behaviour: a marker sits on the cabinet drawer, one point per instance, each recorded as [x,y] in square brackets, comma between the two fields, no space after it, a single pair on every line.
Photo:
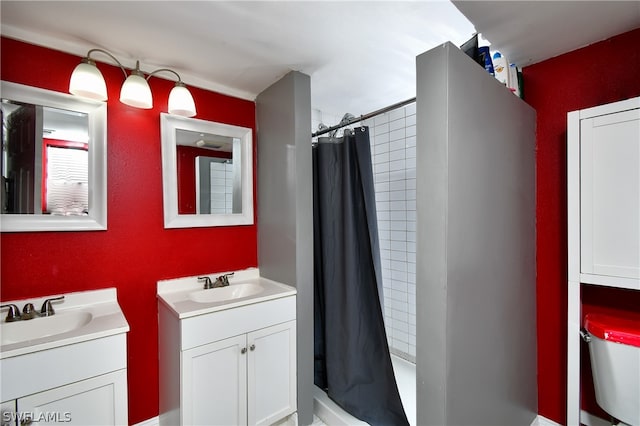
[58,366]
[203,329]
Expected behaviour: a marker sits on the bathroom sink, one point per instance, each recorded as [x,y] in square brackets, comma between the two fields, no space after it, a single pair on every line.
[80,317]
[20,331]
[186,298]
[234,291]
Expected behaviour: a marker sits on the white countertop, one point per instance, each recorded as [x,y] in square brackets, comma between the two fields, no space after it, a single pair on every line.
[106,319]
[175,293]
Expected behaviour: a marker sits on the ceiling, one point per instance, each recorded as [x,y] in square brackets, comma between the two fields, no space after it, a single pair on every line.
[532,31]
[360,54]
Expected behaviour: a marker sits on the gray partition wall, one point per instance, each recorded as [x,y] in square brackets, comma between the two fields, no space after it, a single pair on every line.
[285,209]
[475,290]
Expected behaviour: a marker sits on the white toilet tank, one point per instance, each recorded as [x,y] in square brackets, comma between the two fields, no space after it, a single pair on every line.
[615,362]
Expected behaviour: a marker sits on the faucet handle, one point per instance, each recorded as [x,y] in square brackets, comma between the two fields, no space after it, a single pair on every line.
[207,282]
[47,308]
[225,278]
[13,314]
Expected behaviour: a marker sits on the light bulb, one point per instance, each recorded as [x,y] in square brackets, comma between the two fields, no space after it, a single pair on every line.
[181,102]
[136,92]
[87,81]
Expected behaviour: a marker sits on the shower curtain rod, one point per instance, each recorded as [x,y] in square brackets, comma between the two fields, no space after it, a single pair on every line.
[363,117]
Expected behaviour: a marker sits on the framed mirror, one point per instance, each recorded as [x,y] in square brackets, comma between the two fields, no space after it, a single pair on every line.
[207,173]
[54,161]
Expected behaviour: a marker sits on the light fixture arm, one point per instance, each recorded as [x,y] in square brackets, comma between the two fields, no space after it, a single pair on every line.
[91,61]
[168,70]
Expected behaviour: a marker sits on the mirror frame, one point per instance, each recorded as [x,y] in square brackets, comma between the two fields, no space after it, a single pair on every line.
[96,112]
[168,126]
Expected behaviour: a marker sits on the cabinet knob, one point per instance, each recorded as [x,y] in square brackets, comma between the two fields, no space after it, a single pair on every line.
[252,347]
[243,351]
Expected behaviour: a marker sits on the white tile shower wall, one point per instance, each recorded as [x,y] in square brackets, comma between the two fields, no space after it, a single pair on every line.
[221,188]
[393,146]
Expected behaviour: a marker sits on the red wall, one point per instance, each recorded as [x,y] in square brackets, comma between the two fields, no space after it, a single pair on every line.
[601,73]
[136,250]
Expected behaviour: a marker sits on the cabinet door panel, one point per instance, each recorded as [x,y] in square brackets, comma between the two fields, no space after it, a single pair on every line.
[610,194]
[272,373]
[101,400]
[215,383]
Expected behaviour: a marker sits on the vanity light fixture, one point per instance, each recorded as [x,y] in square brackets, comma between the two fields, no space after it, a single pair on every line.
[87,81]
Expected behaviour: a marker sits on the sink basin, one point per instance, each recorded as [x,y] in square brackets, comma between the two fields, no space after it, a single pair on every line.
[21,331]
[220,294]
[185,298]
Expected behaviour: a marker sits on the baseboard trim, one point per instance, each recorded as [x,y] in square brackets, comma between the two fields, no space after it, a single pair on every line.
[543,421]
[587,419]
[155,421]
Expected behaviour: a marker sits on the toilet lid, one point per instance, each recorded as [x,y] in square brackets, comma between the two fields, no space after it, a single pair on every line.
[624,330]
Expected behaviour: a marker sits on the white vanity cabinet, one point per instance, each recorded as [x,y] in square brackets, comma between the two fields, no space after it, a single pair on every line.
[234,366]
[603,209]
[79,384]
[67,368]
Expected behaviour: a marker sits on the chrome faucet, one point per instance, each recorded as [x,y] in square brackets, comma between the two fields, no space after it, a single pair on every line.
[221,281]
[29,312]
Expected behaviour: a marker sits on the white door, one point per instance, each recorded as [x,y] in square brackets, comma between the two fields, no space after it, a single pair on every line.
[214,386]
[272,373]
[101,400]
[610,194]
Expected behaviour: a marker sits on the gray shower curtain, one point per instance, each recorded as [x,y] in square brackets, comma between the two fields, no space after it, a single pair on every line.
[352,360]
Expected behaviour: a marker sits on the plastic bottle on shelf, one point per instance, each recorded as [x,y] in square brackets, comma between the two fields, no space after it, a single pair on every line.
[485,56]
[514,84]
[501,68]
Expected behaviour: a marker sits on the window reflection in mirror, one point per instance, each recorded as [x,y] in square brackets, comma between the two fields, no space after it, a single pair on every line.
[208,173]
[44,160]
[36,195]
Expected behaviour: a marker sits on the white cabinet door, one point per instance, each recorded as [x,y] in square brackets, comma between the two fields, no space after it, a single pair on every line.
[100,400]
[272,373]
[215,383]
[610,195]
